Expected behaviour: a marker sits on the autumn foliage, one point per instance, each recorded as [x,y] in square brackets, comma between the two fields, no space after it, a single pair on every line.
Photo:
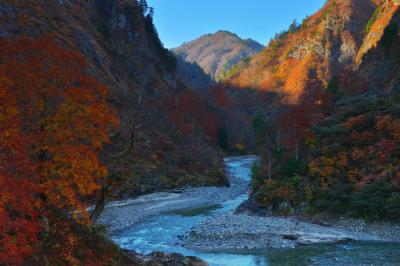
[190,114]
[19,209]
[345,162]
[54,121]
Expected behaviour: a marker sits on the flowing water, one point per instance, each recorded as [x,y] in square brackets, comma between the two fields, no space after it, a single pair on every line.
[161,233]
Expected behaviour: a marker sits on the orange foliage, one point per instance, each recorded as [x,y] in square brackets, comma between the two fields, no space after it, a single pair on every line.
[358,154]
[389,124]
[66,116]
[297,79]
[54,121]
[354,121]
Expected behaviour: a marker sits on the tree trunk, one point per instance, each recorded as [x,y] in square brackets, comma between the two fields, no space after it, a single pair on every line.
[101,203]
[194,134]
[269,167]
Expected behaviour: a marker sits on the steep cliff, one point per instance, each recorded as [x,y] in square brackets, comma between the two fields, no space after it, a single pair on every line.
[124,52]
[379,57]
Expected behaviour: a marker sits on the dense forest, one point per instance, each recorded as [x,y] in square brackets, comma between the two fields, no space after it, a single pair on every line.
[93,108]
[334,147]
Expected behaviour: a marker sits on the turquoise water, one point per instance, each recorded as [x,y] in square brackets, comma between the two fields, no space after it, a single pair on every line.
[162,232]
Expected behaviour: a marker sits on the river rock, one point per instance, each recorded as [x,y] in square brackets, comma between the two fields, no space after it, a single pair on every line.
[238,231]
[132,258]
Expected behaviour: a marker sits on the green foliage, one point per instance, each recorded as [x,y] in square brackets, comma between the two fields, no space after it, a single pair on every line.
[335,200]
[143,6]
[294,168]
[294,27]
[377,200]
[228,73]
[334,89]
[103,29]
[259,124]
[328,10]
[372,19]
[255,171]
[393,205]
[280,37]
[167,56]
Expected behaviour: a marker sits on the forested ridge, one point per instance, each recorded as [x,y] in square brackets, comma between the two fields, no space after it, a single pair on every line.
[333,149]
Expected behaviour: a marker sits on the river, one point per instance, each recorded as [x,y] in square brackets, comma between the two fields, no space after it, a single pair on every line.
[163,232]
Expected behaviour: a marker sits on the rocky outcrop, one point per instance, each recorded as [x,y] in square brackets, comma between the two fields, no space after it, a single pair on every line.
[323,46]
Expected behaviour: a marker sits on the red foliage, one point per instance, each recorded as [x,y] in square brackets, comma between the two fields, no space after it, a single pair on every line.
[385,148]
[54,121]
[19,225]
[190,114]
[294,123]
[220,96]
[66,117]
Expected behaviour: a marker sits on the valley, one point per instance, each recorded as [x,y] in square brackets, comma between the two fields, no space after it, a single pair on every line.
[115,150]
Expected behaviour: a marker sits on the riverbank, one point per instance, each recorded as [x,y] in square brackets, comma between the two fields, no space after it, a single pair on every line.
[241,231]
[119,215]
[196,221]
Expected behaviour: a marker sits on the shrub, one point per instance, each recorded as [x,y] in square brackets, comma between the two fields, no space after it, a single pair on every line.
[373,201]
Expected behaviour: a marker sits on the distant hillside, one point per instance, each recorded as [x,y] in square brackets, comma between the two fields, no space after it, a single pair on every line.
[216,53]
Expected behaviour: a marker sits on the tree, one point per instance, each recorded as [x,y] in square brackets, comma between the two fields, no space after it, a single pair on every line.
[269,140]
[223,138]
[143,6]
[19,217]
[67,117]
[294,26]
[334,89]
[62,125]
[191,114]
[220,96]
[294,123]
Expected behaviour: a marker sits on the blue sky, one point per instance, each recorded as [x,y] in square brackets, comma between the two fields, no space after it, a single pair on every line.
[178,21]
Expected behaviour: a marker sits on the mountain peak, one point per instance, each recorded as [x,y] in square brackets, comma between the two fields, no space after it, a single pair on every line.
[218,52]
[225,32]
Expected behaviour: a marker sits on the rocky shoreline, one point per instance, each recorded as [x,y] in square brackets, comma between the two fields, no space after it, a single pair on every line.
[119,215]
[241,231]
